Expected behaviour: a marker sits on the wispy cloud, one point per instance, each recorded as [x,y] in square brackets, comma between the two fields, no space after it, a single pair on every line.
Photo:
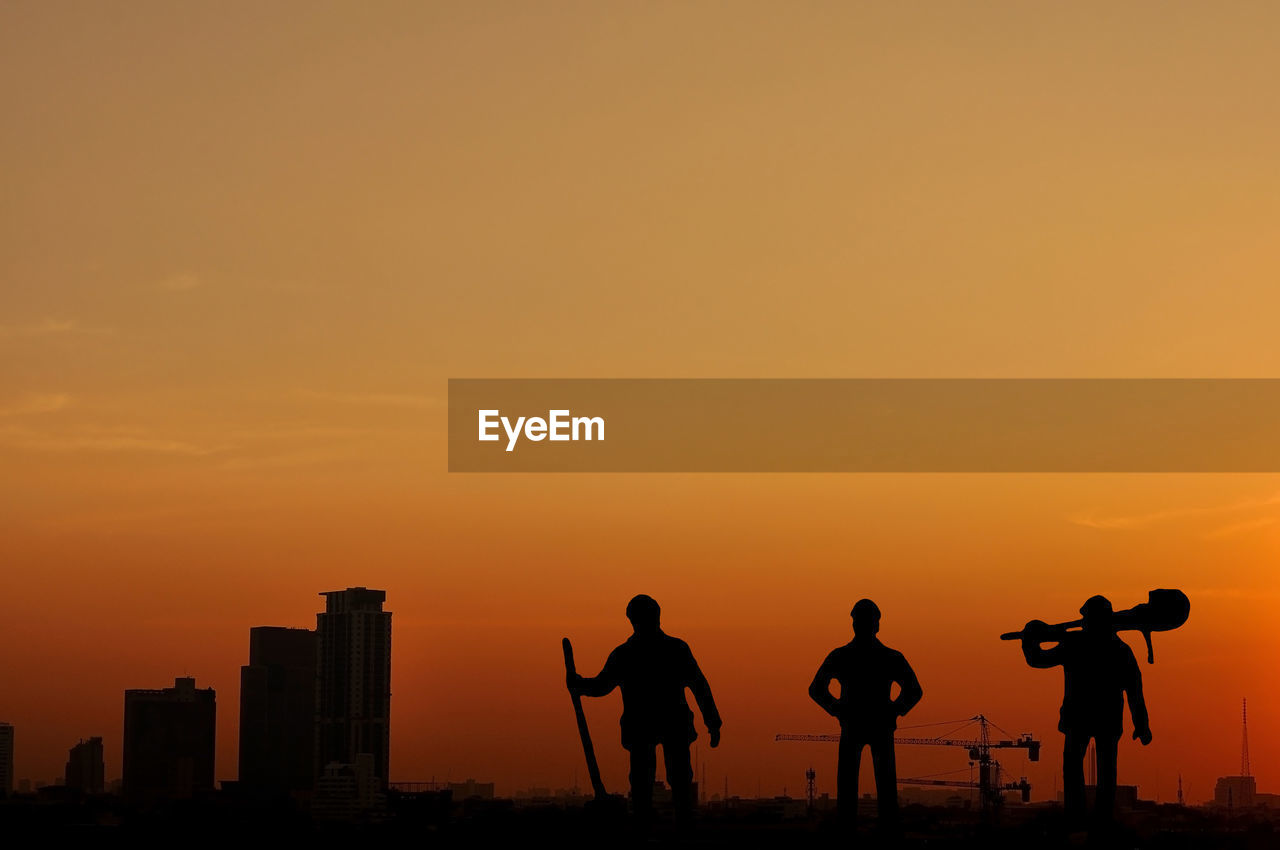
[94,440]
[35,404]
[149,445]
[51,327]
[287,460]
[373,399]
[281,444]
[1241,527]
[1173,514]
[181,282]
[277,433]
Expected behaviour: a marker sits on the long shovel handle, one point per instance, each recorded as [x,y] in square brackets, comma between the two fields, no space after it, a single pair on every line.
[593,767]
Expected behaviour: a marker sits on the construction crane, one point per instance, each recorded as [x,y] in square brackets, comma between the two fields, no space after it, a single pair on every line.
[990,786]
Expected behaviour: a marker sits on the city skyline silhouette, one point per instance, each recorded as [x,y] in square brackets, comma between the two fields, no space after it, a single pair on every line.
[259,634]
[169,741]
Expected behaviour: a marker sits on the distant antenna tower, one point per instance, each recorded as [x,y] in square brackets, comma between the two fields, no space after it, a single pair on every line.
[1180,799]
[1244,737]
[810,791]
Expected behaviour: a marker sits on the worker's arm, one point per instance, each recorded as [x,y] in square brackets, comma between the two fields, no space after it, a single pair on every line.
[909,688]
[599,685]
[820,688]
[1033,633]
[1137,702]
[701,689]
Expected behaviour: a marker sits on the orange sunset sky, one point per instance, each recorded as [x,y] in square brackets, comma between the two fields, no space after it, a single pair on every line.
[243,246]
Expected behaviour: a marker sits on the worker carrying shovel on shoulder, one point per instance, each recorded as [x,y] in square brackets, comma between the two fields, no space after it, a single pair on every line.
[1099,673]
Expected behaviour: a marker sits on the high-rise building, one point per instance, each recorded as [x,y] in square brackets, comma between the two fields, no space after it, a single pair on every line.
[169,742]
[84,767]
[6,759]
[353,687]
[277,711]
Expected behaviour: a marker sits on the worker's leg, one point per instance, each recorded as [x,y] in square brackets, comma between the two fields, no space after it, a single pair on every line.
[850,755]
[886,768]
[675,754]
[644,766]
[1073,750]
[1105,801]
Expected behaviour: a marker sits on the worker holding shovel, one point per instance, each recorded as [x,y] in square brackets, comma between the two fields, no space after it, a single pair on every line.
[653,669]
[1099,671]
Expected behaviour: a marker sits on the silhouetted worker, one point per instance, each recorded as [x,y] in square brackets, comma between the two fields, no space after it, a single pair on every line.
[866,670]
[653,669]
[1099,669]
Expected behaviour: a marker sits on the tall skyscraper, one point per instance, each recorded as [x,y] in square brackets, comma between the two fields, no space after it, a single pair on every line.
[6,759]
[278,711]
[353,688]
[84,767]
[169,742]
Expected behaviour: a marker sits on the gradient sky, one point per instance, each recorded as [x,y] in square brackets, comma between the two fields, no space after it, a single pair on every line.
[243,246]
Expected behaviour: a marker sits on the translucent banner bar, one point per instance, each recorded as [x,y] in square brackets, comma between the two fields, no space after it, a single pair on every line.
[864,425]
